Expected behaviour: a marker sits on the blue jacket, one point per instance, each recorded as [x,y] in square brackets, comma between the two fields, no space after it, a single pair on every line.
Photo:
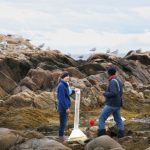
[63,96]
[113,93]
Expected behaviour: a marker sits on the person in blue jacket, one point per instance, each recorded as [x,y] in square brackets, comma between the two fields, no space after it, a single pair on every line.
[113,103]
[63,96]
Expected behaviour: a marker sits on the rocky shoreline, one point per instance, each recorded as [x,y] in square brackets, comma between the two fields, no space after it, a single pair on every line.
[28,77]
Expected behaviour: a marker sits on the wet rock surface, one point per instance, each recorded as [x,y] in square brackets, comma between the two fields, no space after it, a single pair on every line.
[103,142]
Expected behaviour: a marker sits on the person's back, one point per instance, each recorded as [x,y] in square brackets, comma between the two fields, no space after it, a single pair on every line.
[113,93]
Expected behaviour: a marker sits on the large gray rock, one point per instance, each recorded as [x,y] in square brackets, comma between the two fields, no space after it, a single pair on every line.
[146,94]
[128,86]
[2,93]
[21,99]
[41,79]
[142,57]
[117,148]
[103,143]
[6,83]
[45,100]
[75,72]
[43,144]
[8,138]
[91,68]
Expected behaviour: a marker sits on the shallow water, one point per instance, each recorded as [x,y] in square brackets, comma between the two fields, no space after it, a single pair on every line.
[141,120]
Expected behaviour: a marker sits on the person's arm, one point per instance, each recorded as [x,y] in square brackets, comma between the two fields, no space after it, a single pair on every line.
[113,91]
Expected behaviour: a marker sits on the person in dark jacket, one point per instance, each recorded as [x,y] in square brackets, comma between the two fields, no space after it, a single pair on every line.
[113,103]
[64,102]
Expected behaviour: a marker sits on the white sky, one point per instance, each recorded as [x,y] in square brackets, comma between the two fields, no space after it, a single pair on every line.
[76,26]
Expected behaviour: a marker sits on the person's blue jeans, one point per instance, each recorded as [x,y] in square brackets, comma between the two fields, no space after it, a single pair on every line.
[106,112]
[63,117]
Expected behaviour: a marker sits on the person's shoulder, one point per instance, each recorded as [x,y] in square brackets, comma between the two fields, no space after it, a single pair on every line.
[115,80]
[60,87]
[60,84]
[119,80]
[112,81]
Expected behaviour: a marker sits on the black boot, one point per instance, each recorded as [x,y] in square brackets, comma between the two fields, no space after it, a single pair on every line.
[120,133]
[101,132]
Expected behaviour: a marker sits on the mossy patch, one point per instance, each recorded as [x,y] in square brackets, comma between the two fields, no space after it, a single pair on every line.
[26,117]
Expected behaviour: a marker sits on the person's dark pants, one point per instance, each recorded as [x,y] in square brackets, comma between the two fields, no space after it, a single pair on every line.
[63,117]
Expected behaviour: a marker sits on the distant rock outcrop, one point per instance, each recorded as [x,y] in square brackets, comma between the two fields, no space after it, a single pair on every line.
[25,67]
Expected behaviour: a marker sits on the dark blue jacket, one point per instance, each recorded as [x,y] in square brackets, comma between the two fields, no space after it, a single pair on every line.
[113,93]
[63,97]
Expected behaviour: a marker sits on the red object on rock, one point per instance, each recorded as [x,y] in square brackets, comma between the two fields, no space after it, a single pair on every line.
[91,122]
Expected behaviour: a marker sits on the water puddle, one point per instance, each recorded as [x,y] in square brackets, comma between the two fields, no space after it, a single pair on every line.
[141,120]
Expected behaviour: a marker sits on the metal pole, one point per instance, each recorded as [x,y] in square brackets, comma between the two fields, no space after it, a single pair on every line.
[77,107]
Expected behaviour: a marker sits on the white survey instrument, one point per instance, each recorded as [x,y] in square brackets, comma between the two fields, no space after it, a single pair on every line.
[77,134]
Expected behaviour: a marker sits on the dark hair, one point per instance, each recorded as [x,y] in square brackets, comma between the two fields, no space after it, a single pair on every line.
[111,71]
[64,74]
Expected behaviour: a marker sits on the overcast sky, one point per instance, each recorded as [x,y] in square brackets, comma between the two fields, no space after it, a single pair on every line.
[76,26]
